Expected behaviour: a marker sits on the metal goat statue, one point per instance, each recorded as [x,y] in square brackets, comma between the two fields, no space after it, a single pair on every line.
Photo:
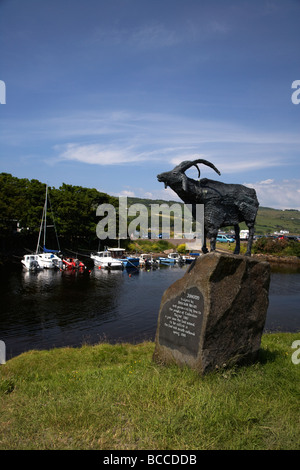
[224,204]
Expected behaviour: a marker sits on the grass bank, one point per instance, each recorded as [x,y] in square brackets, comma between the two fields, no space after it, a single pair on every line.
[114,397]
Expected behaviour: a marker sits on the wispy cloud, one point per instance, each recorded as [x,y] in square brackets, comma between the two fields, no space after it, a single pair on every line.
[126,137]
[150,35]
[99,155]
[279,194]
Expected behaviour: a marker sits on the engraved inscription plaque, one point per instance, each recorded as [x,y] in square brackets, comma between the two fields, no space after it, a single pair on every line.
[181,321]
[204,322]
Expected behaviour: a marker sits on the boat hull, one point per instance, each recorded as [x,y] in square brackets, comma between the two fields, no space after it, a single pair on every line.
[49,261]
[102,260]
[31,263]
[130,262]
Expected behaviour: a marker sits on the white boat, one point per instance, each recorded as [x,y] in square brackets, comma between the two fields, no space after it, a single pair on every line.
[188,259]
[171,258]
[147,260]
[175,256]
[46,259]
[104,259]
[50,261]
[31,262]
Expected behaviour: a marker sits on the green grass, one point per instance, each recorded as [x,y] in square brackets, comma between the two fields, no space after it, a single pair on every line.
[269,220]
[115,397]
[148,246]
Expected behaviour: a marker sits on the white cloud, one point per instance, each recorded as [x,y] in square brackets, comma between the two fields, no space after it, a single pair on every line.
[269,181]
[124,137]
[126,193]
[282,194]
[98,154]
[127,137]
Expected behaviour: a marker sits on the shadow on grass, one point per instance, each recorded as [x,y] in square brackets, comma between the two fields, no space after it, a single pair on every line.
[265,355]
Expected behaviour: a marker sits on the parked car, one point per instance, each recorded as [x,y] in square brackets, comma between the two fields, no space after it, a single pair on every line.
[224,239]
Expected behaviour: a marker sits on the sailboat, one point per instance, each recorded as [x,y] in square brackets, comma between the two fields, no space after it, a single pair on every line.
[48,259]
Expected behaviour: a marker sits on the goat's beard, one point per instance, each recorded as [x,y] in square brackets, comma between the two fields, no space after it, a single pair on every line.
[166,186]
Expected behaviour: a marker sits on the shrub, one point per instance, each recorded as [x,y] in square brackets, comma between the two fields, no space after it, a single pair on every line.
[278,247]
[181,248]
[293,249]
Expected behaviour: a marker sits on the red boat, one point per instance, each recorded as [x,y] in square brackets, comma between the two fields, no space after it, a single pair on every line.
[73,263]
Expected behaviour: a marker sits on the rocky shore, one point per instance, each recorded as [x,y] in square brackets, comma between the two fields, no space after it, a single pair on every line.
[294,260]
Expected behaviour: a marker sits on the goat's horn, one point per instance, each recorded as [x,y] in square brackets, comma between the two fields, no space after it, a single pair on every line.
[187,164]
[197,169]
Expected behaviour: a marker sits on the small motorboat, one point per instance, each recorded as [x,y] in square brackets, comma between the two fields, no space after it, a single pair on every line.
[188,259]
[172,258]
[127,261]
[73,263]
[49,260]
[31,262]
[147,260]
[163,260]
[176,257]
[103,259]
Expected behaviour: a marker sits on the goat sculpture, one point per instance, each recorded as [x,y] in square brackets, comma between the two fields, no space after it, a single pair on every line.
[224,204]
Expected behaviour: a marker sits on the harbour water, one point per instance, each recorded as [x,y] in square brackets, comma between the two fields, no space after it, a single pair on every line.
[54,309]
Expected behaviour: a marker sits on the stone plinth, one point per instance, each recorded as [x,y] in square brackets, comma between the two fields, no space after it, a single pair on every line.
[215,314]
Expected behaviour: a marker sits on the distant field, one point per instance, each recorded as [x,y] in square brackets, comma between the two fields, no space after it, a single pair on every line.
[270,220]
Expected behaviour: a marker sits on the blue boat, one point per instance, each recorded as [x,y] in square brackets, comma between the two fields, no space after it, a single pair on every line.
[162,260]
[127,261]
[171,259]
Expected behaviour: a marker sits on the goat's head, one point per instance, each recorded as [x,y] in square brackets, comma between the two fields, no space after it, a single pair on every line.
[177,178]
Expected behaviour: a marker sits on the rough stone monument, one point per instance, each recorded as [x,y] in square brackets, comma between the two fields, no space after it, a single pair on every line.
[215,314]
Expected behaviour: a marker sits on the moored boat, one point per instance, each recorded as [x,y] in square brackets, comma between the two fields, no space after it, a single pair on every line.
[103,259]
[176,257]
[31,262]
[163,260]
[147,260]
[49,260]
[73,263]
[127,261]
[188,259]
[171,258]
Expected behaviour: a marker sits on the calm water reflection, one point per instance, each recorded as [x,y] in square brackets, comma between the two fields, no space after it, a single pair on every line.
[53,309]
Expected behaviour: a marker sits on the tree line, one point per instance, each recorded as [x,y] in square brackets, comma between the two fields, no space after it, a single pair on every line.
[71,209]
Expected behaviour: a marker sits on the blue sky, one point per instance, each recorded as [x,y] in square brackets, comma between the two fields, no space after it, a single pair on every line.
[108,94]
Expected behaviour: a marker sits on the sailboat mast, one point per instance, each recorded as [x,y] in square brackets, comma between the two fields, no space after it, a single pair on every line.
[41,227]
[45,220]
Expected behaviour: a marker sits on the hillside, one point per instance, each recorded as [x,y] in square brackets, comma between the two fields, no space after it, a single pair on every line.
[268,220]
